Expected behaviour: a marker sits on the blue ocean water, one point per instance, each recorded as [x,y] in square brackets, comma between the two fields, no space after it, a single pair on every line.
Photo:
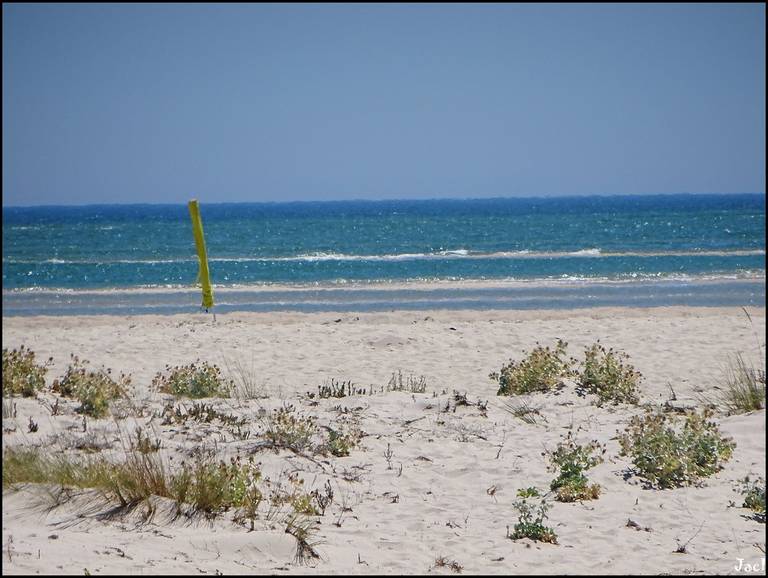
[642,239]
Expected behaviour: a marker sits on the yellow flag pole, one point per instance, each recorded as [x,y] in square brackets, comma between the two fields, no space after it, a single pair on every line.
[204,277]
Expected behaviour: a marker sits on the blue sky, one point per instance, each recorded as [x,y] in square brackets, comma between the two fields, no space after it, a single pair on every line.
[255,102]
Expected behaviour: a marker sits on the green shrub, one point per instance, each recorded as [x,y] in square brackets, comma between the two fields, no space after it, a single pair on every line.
[21,375]
[530,522]
[606,375]
[196,380]
[93,388]
[571,460]
[668,455]
[754,497]
[287,430]
[216,487]
[542,370]
[743,387]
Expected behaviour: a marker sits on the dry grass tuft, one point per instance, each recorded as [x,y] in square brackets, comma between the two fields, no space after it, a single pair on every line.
[243,381]
[304,530]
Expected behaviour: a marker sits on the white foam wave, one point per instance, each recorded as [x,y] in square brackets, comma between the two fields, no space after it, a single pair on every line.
[440,255]
[415,283]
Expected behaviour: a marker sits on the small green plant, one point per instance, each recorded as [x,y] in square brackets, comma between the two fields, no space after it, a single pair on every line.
[196,380]
[572,460]
[286,429]
[754,497]
[21,375]
[302,504]
[530,522]
[668,455]
[606,374]
[300,501]
[93,388]
[542,370]
[742,386]
[341,442]
[529,492]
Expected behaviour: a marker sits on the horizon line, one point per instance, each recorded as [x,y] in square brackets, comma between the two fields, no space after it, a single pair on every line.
[385,200]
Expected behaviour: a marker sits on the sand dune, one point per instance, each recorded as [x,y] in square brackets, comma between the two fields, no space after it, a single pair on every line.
[451,479]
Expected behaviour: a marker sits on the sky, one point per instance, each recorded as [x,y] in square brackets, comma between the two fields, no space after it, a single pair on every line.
[160,103]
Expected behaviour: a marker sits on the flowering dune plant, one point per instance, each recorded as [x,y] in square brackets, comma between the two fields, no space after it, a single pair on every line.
[21,374]
[669,454]
[606,374]
[196,380]
[530,523]
[571,461]
[94,388]
[542,370]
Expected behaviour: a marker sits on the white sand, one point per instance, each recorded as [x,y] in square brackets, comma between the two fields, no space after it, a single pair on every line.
[436,498]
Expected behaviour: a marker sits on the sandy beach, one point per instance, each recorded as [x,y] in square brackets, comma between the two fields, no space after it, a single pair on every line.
[424,487]
[434,289]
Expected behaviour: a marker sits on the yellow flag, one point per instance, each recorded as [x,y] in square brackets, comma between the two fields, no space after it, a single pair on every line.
[203,276]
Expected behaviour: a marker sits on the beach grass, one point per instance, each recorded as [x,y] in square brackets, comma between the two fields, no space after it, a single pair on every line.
[206,486]
[742,386]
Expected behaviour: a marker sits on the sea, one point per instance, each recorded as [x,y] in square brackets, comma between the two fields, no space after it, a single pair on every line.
[503,253]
